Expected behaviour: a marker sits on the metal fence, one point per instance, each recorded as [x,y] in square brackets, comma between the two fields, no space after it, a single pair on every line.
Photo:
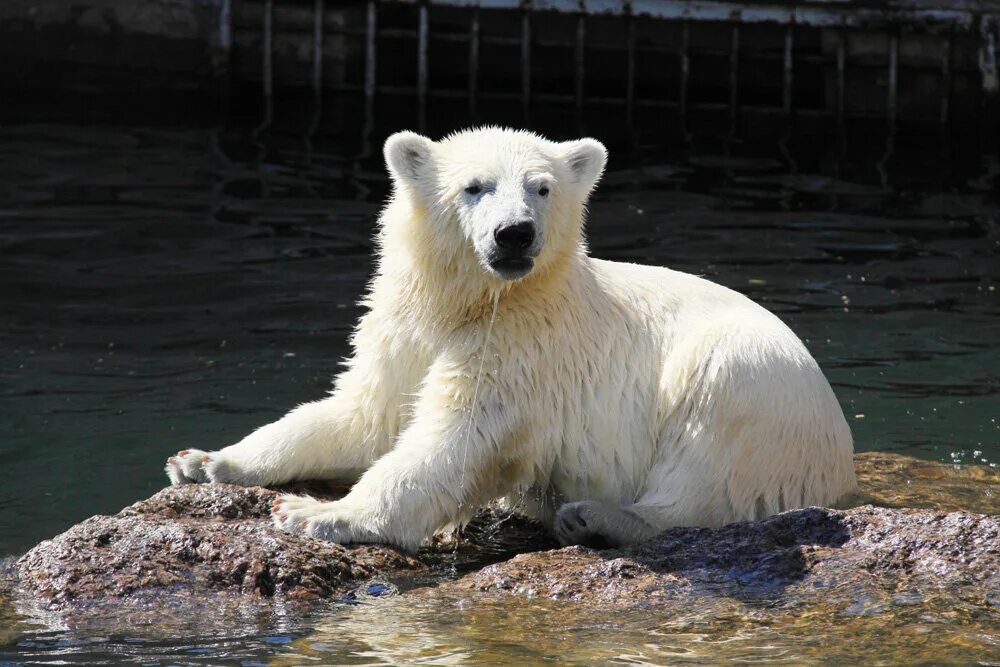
[914,61]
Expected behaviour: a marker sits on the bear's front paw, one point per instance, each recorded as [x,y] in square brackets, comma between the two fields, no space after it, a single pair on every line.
[330,521]
[188,467]
[193,466]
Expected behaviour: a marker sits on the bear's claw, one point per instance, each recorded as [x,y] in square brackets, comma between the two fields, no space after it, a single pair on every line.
[581,523]
[188,467]
[571,526]
[326,520]
[193,466]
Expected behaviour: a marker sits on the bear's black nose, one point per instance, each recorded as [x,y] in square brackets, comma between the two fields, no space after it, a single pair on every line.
[518,236]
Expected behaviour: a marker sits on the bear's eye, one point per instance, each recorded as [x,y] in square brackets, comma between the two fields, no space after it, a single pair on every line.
[543,191]
[474,189]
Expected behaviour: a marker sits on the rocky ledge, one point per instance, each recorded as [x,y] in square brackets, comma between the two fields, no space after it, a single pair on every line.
[201,543]
[192,542]
[197,538]
[797,555]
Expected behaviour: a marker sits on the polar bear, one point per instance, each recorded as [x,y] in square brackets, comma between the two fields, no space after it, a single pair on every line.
[497,359]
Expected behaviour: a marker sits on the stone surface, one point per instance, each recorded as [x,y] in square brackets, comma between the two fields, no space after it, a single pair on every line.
[802,554]
[198,538]
[201,543]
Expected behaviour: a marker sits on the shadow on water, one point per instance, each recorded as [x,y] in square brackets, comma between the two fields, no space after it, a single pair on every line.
[170,287]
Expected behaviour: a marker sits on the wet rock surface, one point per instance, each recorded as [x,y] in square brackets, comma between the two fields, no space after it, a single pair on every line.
[213,545]
[814,552]
[198,538]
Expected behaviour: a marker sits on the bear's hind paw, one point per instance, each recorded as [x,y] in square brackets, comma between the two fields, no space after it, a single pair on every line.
[582,523]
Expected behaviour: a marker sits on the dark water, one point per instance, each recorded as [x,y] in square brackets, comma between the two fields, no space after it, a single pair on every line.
[160,289]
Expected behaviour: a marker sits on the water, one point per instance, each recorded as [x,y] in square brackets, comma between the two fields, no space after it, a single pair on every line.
[542,631]
[162,290]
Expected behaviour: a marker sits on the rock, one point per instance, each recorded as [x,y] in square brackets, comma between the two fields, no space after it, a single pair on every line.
[196,538]
[800,555]
[212,547]
[196,542]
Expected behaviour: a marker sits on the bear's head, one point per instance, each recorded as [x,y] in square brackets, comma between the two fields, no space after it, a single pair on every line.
[495,202]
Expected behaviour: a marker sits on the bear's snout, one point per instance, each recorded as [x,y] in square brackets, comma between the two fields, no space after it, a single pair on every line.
[514,251]
[518,236]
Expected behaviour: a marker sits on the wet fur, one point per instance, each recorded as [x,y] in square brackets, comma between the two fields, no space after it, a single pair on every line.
[615,400]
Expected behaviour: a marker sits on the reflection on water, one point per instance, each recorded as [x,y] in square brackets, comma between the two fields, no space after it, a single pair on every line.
[723,630]
[161,290]
[850,628]
[888,480]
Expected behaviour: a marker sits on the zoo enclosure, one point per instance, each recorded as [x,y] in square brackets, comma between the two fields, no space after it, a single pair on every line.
[659,68]
[662,65]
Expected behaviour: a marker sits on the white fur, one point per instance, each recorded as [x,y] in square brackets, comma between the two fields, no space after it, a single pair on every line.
[612,399]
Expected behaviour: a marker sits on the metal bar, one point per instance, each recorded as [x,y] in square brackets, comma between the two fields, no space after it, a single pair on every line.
[841,71]
[226,30]
[404,34]
[989,102]
[892,99]
[821,14]
[526,63]
[644,49]
[734,70]
[267,68]
[568,99]
[224,66]
[685,63]
[946,79]
[630,72]
[946,90]
[580,56]
[267,76]
[317,77]
[473,63]
[841,83]
[423,35]
[891,108]
[370,55]
[786,88]
[786,96]
[371,58]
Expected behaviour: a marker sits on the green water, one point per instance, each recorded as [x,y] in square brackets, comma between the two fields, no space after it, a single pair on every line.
[462,631]
[161,290]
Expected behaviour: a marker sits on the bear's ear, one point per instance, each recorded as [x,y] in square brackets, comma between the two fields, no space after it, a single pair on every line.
[408,155]
[586,159]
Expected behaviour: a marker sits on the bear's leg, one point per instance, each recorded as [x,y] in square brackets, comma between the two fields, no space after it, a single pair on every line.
[310,442]
[447,462]
[601,525]
[433,477]
[336,438]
